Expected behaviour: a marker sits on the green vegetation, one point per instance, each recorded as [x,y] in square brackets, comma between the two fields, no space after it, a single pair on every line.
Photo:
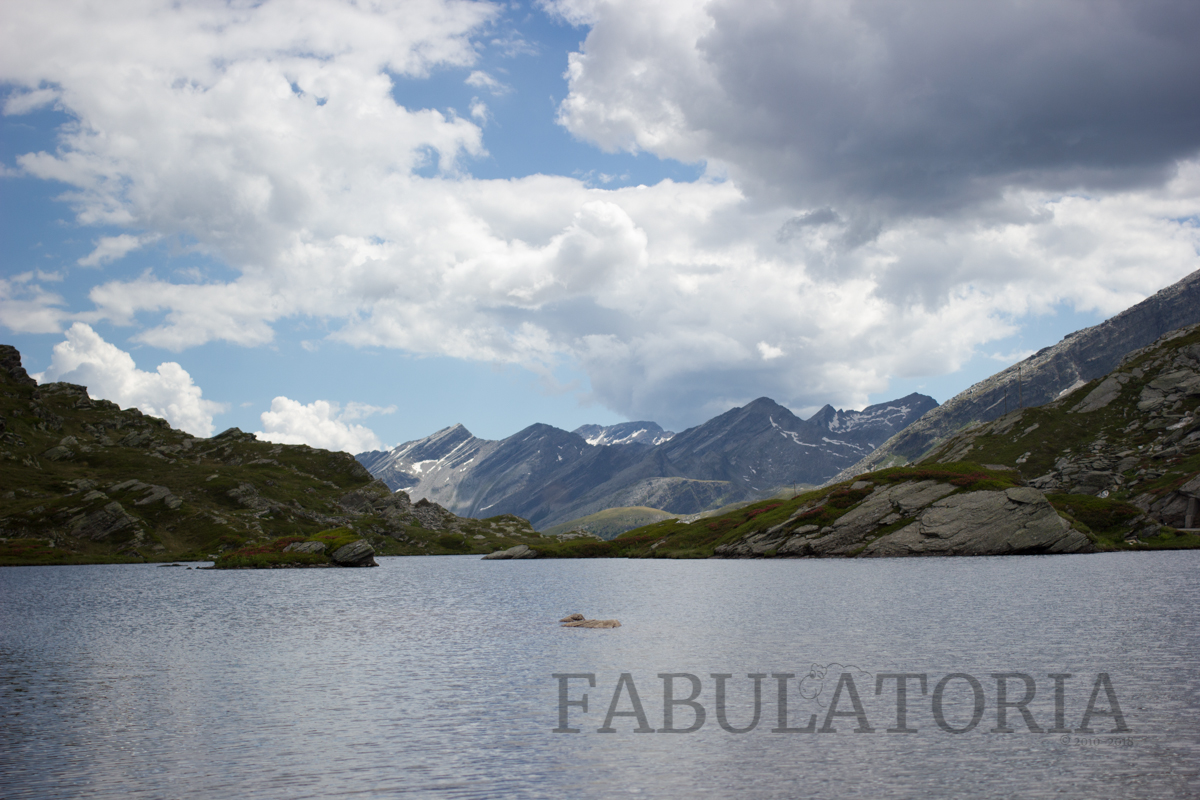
[39,552]
[611,522]
[83,481]
[1108,521]
[264,556]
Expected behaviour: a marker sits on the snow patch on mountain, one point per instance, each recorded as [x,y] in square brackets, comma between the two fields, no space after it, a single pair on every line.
[641,432]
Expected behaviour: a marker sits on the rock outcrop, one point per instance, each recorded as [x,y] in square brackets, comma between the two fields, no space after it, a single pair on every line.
[1132,436]
[10,362]
[1013,522]
[921,518]
[305,547]
[520,551]
[356,554]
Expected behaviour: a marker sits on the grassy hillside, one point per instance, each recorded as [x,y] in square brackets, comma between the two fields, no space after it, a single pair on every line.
[612,522]
[83,481]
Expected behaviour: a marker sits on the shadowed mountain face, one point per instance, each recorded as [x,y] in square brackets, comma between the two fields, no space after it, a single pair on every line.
[549,476]
[1046,375]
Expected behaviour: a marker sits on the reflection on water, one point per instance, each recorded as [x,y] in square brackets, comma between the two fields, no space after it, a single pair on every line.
[434,676]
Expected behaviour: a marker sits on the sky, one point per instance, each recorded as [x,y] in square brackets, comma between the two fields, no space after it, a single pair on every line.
[351,224]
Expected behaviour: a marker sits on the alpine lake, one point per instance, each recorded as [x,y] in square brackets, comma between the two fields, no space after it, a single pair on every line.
[992,677]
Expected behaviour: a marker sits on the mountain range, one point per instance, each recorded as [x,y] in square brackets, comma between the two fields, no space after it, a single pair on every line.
[550,476]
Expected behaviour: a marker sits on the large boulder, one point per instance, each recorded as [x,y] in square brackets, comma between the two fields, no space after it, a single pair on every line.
[520,551]
[104,522]
[356,554]
[1014,521]
[920,518]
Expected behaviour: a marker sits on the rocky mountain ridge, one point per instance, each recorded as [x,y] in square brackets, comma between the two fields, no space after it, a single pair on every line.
[551,476]
[1131,437]
[1050,373]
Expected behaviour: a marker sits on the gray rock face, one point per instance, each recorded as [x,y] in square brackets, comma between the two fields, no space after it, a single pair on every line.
[58,453]
[520,551]
[10,362]
[355,554]
[150,493]
[1014,521]
[111,519]
[305,547]
[1103,394]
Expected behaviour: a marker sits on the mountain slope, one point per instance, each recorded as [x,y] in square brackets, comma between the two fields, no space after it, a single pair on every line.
[82,480]
[1132,437]
[1080,357]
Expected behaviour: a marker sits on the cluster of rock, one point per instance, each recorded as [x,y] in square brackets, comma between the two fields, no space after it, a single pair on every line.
[920,518]
[359,553]
[1169,380]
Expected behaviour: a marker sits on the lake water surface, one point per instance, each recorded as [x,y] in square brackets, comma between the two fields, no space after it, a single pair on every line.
[434,677]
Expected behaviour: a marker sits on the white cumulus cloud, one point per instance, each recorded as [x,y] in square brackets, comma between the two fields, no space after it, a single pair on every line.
[885,193]
[25,307]
[110,373]
[320,424]
[111,248]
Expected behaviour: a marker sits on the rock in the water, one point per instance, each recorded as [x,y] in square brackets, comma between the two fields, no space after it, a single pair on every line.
[572,618]
[356,554]
[306,547]
[520,551]
[591,623]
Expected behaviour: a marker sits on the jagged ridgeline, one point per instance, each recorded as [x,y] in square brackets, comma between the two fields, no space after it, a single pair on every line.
[84,481]
[1051,373]
[1130,438]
